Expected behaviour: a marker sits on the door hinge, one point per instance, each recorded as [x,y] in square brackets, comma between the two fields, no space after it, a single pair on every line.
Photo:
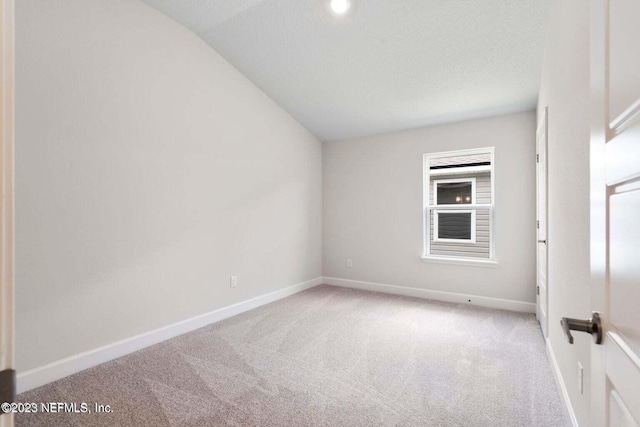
[7,387]
[537,223]
[537,158]
[537,290]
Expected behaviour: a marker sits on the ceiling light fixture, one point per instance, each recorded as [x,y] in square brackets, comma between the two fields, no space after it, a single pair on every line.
[340,6]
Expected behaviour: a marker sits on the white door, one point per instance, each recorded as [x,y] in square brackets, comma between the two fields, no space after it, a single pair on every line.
[615,210]
[541,224]
[6,207]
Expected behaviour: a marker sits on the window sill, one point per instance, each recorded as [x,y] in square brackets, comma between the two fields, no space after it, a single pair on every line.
[490,263]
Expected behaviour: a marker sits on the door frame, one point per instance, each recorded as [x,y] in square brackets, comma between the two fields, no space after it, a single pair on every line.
[7,110]
[598,203]
[544,122]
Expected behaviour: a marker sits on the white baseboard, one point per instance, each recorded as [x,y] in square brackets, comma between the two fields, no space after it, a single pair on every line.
[504,304]
[70,365]
[562,388]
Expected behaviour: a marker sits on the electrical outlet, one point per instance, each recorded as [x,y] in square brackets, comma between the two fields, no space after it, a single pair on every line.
[580,378]
[234,281]
[349,263]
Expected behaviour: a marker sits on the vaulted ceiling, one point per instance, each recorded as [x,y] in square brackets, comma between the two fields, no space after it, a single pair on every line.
[384,65]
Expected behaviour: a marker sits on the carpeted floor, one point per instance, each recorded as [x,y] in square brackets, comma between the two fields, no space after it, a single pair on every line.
[327,356]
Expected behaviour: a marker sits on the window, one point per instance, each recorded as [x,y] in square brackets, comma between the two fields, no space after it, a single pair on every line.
[458,226]
[458,209]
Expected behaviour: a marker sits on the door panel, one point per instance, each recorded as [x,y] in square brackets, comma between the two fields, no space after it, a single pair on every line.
[615,209]
[619,415]
[623,344]
[624,247]
[623,68]
[623,375]
[623,151]
[624,61]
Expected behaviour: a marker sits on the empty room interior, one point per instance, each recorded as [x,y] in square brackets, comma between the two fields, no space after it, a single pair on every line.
[320,212]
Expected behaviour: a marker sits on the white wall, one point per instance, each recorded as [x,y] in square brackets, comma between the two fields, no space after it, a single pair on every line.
[373,202]
[565,89]
[148,171]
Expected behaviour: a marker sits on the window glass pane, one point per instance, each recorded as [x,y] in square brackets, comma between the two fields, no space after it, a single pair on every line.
[452,193]
[454,225]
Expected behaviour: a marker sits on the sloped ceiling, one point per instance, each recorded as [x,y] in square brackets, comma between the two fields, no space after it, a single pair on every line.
[385,65]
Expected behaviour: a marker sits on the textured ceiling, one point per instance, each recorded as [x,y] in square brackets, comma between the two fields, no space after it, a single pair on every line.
[385,65]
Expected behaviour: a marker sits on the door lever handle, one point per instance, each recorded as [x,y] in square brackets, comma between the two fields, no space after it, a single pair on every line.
[543,241]
[592,326]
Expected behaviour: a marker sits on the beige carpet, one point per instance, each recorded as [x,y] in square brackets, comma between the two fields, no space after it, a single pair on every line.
[327,356]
